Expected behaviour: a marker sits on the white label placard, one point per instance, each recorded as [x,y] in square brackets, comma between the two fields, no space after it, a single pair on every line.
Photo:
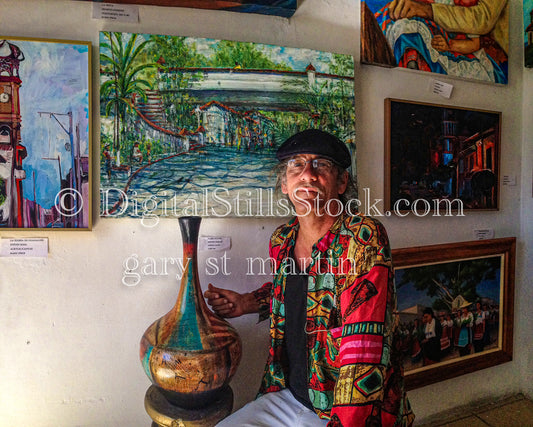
[116,12]
[441,88]
[509,180]
[211,243]
[31,247]
[484,234]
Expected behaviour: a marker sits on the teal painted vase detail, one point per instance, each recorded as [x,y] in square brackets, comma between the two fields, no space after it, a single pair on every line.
[190,353]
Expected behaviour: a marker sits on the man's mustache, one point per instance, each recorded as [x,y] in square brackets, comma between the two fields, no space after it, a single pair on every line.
[307,187]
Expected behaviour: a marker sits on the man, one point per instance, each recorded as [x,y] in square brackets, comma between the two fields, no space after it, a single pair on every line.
[432,335]
[331,304]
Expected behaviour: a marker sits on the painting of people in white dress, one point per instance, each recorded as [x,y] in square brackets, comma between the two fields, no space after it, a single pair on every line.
[455,305]
[461,38]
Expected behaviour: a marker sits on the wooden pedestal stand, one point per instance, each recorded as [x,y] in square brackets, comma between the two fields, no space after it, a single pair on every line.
[165,414]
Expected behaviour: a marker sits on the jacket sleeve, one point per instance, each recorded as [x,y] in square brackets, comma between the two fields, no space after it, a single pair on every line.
[478,19]
[367,302]
[264,293]
[262,296]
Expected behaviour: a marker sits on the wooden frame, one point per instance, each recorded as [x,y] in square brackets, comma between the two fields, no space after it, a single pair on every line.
[439,157]
[483,271]
[45,134]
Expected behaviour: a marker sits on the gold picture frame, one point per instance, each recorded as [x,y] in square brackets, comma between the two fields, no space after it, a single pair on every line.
[45,134]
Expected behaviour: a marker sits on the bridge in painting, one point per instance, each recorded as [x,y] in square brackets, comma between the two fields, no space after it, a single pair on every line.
[256,88]
[228,102]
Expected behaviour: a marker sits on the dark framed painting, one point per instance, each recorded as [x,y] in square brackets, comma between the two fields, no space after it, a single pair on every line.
[455,303]
[459,39]
[440,158]
[284,8]
[45,134]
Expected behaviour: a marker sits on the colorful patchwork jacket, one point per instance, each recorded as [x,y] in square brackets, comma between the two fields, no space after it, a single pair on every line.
[355,377]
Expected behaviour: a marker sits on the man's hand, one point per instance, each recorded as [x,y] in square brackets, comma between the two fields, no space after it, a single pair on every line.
[399,9]
[228,303]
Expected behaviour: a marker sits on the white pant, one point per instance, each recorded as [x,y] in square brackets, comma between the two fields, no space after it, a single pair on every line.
[277,409]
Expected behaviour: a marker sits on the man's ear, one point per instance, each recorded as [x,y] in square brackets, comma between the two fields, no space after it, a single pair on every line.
[343,182]
[284,189]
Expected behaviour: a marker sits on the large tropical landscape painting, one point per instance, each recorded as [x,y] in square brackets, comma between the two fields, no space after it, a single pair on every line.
[190,126]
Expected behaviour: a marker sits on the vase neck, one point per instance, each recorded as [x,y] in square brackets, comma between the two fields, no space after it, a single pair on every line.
[190,290]
[190,226]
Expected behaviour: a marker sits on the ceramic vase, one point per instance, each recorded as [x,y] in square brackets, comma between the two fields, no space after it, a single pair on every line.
[190,353]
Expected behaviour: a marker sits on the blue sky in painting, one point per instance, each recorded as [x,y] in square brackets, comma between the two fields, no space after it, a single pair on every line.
[408,296]
[54,79]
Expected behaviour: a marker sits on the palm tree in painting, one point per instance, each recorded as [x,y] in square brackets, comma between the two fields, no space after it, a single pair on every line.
[125,65]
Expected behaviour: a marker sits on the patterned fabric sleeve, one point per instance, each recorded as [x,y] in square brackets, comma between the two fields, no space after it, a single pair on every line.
[262,296]
[364,391]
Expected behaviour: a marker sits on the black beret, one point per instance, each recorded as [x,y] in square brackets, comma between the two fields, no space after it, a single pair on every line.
[315,141]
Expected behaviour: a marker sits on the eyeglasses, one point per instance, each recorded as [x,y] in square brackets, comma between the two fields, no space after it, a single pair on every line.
[319,165]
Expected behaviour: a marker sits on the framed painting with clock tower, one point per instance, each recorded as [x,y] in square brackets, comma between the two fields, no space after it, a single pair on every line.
[45,134]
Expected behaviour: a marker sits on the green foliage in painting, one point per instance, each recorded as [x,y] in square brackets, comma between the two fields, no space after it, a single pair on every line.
[230,54]
[173,51]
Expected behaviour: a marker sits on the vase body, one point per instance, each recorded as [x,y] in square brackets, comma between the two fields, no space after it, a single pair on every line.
[190,353]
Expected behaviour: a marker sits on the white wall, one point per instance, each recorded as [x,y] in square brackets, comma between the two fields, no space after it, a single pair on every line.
[71,330]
